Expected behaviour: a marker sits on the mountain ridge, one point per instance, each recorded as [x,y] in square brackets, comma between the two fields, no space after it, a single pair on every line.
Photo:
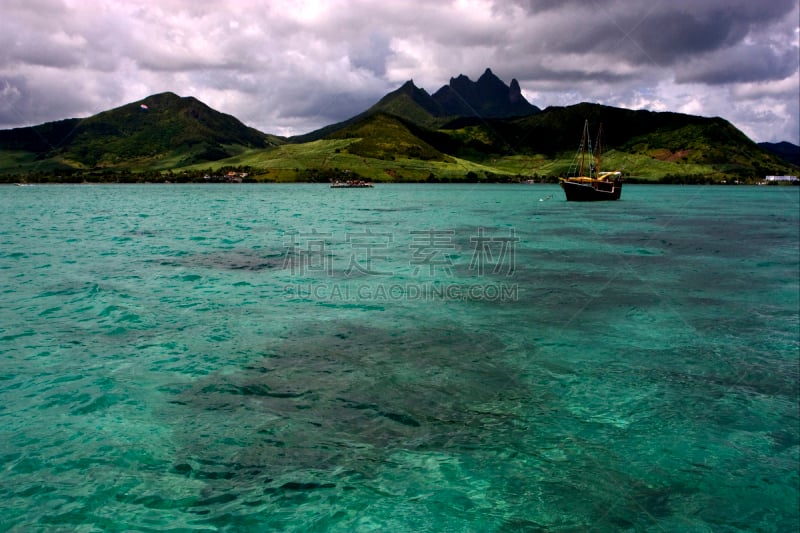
[487,98]
[785,150]
[153,127]
[484,127]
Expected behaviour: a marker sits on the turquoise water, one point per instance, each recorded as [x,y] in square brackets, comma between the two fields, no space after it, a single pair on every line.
[403,358]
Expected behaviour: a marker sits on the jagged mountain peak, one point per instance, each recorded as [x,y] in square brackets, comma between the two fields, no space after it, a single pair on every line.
[515,92]
[409,101]
[489,97]
[488,75]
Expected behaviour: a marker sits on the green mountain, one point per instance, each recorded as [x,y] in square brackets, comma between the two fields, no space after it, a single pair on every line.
[488,98]
[409,102]
[490,123]
[646,145]
[482,130]
[412,104]
[160,132]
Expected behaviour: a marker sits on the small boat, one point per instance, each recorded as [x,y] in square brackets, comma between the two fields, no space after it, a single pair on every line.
[593,185]
[350,184]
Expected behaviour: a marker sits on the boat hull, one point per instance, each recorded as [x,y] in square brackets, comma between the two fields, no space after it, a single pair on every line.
[594,191]
[352,184]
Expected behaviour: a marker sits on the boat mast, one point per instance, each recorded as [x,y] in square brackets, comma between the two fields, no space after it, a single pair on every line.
[599,150]
[584,142]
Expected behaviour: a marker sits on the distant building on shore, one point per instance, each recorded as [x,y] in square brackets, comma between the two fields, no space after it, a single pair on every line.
[779,180]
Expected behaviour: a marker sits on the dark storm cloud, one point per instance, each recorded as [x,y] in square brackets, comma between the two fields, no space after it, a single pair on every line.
[741,64]
[327,108]
[22,104]
[670,37]
[660,33]
[371,53]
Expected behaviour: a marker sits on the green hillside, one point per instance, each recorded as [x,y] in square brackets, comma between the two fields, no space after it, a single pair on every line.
[386,137]
[162,131]
[644,144]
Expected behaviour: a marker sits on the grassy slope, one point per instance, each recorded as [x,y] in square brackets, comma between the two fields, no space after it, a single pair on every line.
[379,147]
[324,160]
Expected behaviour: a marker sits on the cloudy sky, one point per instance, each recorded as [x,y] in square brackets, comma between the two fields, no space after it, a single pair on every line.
[289,67]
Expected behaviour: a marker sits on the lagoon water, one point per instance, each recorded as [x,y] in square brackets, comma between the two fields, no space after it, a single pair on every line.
[403,358]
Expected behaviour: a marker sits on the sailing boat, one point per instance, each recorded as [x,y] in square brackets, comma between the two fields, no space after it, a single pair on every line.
[591,185]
